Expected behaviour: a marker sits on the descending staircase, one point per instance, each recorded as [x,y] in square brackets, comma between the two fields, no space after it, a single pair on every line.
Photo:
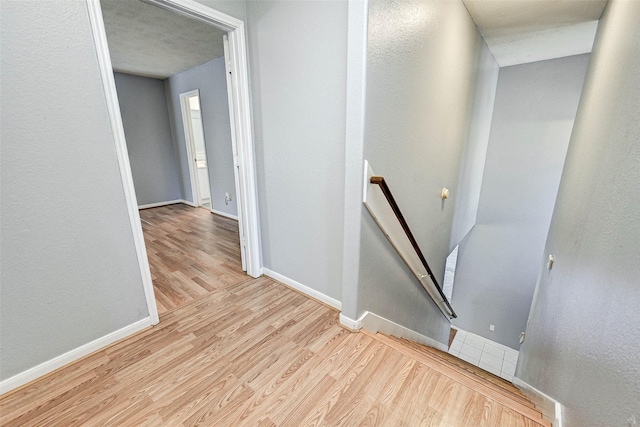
[386,212]
[469,375]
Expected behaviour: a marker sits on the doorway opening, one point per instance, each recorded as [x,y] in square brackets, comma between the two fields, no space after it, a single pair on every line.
[240,123]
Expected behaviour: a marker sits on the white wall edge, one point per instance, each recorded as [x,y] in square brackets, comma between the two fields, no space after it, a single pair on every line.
[96,21]
[551,409]
[354,151]
[71,356]
[374,323]
[325,299]
[224,214]
[159,204]
[354,325]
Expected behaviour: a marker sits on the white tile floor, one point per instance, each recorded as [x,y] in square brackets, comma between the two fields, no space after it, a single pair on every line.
[488,355]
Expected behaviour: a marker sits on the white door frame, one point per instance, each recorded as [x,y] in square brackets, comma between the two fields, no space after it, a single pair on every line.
[188,139]
[234,146]
[247,199]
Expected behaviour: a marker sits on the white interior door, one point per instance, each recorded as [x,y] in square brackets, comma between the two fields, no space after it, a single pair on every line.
[202,168]
[196,148]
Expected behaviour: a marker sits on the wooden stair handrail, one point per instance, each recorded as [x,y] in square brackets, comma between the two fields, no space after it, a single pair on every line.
[379,180]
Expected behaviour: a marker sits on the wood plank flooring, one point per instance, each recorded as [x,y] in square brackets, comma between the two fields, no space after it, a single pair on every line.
[254,354]
[191,253]
[249,353]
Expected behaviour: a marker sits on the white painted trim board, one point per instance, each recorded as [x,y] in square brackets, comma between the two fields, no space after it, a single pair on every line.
[167,203]
[228,72]
[353,325]
[224,214]
[71,356]
[357,19]
[113,107]
[375,323]
[551,409]
[310,292]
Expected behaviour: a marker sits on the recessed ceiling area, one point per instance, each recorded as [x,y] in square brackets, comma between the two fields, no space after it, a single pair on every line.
[522,31]
[148,41]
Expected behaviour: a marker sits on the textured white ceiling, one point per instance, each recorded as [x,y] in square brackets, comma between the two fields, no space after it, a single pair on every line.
[521,31]
[149,41]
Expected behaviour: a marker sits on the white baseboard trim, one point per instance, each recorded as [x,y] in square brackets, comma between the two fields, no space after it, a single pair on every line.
[347,322]
[167,203]
[224,214]
[374,323]
[71,356]
[312,293]
[551,409]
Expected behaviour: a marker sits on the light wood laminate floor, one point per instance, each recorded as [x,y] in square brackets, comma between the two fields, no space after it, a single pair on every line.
[191,253]
[248,352]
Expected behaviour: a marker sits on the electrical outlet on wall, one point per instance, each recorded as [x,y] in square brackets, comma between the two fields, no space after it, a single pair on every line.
[227,198]
[632,421]
[492,327]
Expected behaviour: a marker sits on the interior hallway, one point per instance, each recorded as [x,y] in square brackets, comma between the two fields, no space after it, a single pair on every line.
[191,253]
[253,353]
[231,350]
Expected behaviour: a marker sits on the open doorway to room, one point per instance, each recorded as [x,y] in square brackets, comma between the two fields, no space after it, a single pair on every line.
[150,56]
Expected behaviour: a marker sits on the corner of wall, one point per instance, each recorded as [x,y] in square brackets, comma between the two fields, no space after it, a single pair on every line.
[374,324]
[350,324]
[551,409]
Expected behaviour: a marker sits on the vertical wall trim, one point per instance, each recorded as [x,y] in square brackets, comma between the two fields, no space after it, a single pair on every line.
[247,200]
[117,128]
[234,149]
[354,153]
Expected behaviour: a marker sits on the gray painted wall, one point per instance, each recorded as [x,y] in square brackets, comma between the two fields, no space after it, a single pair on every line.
[497,266]
[143,106]
[422,82]
[210,79]
[475,152]
[69,268]
[582,340]
[298,77]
